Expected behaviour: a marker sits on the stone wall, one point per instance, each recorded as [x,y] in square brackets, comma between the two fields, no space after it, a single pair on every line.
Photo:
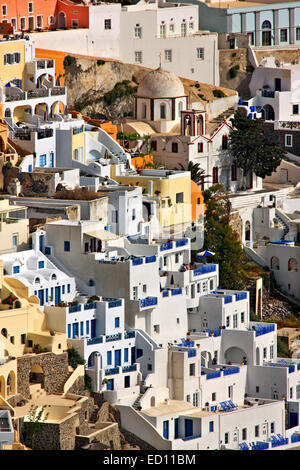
[78,387]
[278,136]
[54,366]
[109,437]
[236,224]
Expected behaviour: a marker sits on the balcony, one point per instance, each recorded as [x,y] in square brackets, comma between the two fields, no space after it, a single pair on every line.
[205,269]
[137,261]
[176,291]
[131,368]
[267,94]
[241,296]
[115,337]
[188,438]
[129,334]
[58,91]
[75,308]
[192,353]
[213,375]
[90,305]
[150,259]
[182,242]
[277,441]
[112,371]
[231,370]
[148,302]
[227,299]
[262,330]
[114,303]
[166,246]
[96,340]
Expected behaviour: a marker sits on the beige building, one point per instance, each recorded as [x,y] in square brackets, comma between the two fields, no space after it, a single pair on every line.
[14,227]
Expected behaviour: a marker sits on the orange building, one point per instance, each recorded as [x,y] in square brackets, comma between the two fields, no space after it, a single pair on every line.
[197,201]
[34,15]
[59,58]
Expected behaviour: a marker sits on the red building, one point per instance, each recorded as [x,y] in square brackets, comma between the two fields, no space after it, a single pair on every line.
[35,15]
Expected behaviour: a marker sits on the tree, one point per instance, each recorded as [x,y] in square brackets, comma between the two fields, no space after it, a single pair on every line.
[251,149]
[222,239]
[197,173]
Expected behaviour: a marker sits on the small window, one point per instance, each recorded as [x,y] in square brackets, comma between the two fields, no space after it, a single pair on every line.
[149,367]
[226,438]
[256,431]
[179,198]
[200,53]
[138,57]
[41,264]
[39,21]
[66,246]
[168,55]
[172,28]
[242,317]
[22,23]
[211,426]
[272,427]
[244,434]
[297,34]
[175,147]
[153,145]
[257,389]
[200,147]
[137,32]
[233,173]
[295,109]
[215,175]
[108,358]
[224,142]
[16,269]
[75,24]
[107,24]
[156,328]
[288,140]
[192,370]
[4,10]
[23,338]
[117,322]
[283,35]
[15,239]
[30,7]
[213,396]
[227,321]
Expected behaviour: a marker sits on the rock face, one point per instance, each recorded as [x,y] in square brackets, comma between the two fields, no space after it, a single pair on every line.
[88,80]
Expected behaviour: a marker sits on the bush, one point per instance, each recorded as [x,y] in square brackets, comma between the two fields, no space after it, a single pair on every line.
[69,60]
[197,85]
[266,280]
[88,383]
[120,90]
[218,93]
[282,348]
[74,358]
[234,71]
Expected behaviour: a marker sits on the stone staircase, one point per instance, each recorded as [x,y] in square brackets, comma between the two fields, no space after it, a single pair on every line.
[59,388]
[94,415]
[136,404]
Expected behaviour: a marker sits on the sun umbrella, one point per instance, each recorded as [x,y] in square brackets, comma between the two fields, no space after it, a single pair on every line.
[206,253]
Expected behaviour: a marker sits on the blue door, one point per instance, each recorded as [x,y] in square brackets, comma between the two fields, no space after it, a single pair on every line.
[75,330]
[93,328]
[117,357]
[57,295]
[176,428]
[166,429]
[188,427]
[110,384]
[41,296]
[293,420]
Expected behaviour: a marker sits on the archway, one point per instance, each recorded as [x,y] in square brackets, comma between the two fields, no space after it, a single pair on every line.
[235,355]
[20,111]
[275,264]
[199,125]
[11,383]
[187,125]
[61,20]
[266,33]
[268,113]
[41,110]
[36,375]
[4,332]
[92,359]
[292,264]
[57,108]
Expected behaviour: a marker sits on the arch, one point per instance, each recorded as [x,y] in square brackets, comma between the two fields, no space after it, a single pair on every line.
[275,264]
[19,112]
[53,277]
[57,107]
[4,332]
[187,125]
[11,383]
[292,264]
[200,126]
[37,280]
[2,387]
[268,113]
[162,109]
[152,401]
[247,231]
[43,79]
[266,25]
[61,20]
[36,375]
[94,155]
[91,359]
[41,109]
[235,355]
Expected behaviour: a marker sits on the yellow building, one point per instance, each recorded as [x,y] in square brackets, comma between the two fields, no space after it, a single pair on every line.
[14,227]
[171,190]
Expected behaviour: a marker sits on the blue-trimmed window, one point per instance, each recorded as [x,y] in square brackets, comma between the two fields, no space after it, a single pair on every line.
[126,355]
[69,330]
[87,327]
[15,240]
[63,289]
[117,322]
[109,358]
[67,245]
[41,264]
[81,328]
[43,160]
[16,269]
[69,288]
[211,426]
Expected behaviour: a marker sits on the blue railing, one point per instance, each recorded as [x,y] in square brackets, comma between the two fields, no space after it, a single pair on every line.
[75,308]
[228,299]
[129,334]
[165,293]
[77,130]
[114,303]
[188,438]
[176,291]
[182,242]
[148,302]
[192,353]
[166,246]
[150,259]
[295,437]
[90,305]
[129,368]
[96,340]
[137,261]
[241,296]
[208,268]
[278,440]
[114,370]
[262,330]
[232,370]
[215,332]
[115,337]
[260,446]
[243,446]
[186,343]
[213,375]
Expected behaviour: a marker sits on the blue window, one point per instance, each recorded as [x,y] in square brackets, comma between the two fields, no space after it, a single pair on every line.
[52,290]
[126,355]
[211,426]
[69,288]
[41,264]
[35,292]
[69,330]
[16,269]
[67,246]
[109,358]
[87,327]
[63,289]
[51,159]
[117,322]
[43,160]
[15,240]
[29,168]
[166,429]
[81,328]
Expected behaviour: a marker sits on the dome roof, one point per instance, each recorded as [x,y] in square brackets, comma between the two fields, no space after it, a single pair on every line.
[160,83]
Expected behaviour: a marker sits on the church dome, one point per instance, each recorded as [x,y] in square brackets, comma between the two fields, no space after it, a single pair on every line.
[160,83]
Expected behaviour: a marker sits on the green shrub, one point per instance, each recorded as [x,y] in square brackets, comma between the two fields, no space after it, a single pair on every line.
[87,382]
[234,71]
[197,86]
[282,348]
[69,60]
[120,90]
[74,358]
[218,93]
[266,280]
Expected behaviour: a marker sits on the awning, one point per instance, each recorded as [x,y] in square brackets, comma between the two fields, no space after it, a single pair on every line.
[102,234]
